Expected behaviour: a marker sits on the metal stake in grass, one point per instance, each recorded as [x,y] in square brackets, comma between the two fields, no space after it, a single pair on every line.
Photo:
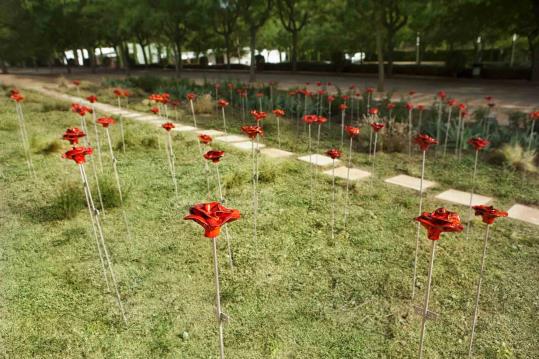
[106,122]
[253,132]
[212,216]
[92,99]
[309,120]
[424,142]
[352,132]
[191,97]
[450,104]
[462,109]
[18,98]
[78,154]
[478,143]
[376,127]
[489,215]
[441,98]
[410,108]
[278,113]
[222,103]
[334,154]
[121,120]
[343,108]
[436,222]
[215,157]
[534,116]
[168,126]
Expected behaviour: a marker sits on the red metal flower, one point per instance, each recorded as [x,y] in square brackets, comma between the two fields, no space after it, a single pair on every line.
[373,111]
[488,98]
[76,82]
[534,115]
[478,143]
[191,96]
[258,115]
[214,156]
[440,221]
[91,98]
[106,121]
[118,92]
[488,213]
[259,94]
[451,102]
[343,107]
[212,216]
[80,109]
[331,98]
[420,108]
[252,131]
[345,97]
[78,154]
[376,127]
[462,107]
[73,134]
[411,93]
[334,153]
[175,103]
[369,89]
[125,93]
[321,92]
[222,103]
[353,86]
[321,119]
[17,97]
[205,139]
[217,85]
[352,131]
[425,141]
[409,106]
[441,94]
[230,85]
[14,92]
[358,94]
[391,106]
[309,119]
[154,110]
[278,112]
[168,126]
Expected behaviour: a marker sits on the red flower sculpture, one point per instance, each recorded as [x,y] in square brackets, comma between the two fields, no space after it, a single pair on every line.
[373,111]
[488,213]
[391,106]
[230,85]
[259,94]
[73,134]
[80,109]
[252,131]
[358,94]
[175,103]
[211,216]
[78,154]
[425,141]
[76,82]
[217,85]
[91,99]
[376,127]
[420,108]
[14,92]
[258,115]
[343,107]
[478,143]
[345,97]
[331,98]
[214,156]
[309,119]
[369,89]
[334,153]
[106,121]
[118,92]
[191,96]
[534,115]
[321,119]
[411,93]
[320,92]
[278,112]
[409,106]
[222,103]
[488,98]
[352,131]
[17,97]
[440,221]
[205,139]
[462,107]
[451,102]
[168,126]
[154,110]
[441,94]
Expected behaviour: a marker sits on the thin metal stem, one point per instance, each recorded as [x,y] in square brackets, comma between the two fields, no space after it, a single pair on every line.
[409,133]
[255,211]
[224,119]
[426,302]
[531,135]
[447,129]
[333,202]
[121,125]
[346,209]
[98,142]
[418,224]
[193,112]
[218,299]
[227,235]
[478,293]
[374,156]
[170,156]
[342,128]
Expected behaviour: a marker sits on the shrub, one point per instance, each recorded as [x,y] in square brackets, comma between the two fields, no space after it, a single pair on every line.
[52,147]
[204,104]
[516,157]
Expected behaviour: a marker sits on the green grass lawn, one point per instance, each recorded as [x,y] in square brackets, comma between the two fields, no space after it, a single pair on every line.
[294,293]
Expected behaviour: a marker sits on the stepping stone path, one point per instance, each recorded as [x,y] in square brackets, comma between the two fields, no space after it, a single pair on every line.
[318,160]
[524,213]
[518,211]
[276,153]
[410,182]
[247,145]
[232,138]
[460,197]
[342,172]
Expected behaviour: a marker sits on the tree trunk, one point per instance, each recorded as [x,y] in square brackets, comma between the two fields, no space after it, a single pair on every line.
[380,53]
[252,46]
[227,45]
[534,58]
[91,54]
[68,67]
[390,47]
[178,64]
[144,57]
[4,66]
[294,51]
[125,54]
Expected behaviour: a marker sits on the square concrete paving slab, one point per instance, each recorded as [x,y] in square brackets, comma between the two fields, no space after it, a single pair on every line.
[409,182]
[276,153]
[355,173]
[460,197]
[181,128]
[524,213]
[232,138]
[246,146]
[213,133]
[318,160]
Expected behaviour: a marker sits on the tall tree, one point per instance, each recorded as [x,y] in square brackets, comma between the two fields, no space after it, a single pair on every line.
[225,21]
[254,13]
[393,20]
[293,15]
